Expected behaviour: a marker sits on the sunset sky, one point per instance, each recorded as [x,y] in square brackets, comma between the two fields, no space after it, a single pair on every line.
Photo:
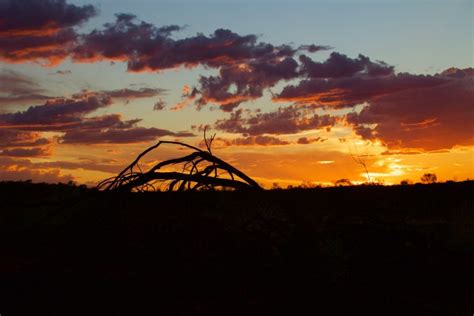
[294,90]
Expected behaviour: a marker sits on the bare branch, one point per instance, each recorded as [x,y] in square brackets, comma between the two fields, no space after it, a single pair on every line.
[359,159]
[196,172]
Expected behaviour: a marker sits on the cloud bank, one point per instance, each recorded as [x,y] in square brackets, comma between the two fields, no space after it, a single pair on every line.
[403,110]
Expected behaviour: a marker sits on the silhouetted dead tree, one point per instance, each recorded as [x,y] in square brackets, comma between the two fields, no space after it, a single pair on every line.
[200,170]
[361,160]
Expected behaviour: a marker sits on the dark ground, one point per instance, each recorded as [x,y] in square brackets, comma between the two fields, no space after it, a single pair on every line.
[404,250]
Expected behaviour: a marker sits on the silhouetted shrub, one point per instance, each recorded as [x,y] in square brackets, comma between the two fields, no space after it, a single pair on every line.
[342,182]
[428,178]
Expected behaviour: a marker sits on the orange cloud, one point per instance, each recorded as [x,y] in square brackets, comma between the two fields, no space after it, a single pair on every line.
[39,31]
[430,118]
[51,28]
[334,97]
[14,169]
[246,141]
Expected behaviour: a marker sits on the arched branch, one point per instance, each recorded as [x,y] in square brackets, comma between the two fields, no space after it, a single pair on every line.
[200,169]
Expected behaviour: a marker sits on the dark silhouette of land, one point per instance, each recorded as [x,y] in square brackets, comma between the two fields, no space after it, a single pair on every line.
[357,250]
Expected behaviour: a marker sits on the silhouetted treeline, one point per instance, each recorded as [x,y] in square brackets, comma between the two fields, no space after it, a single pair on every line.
[372,250]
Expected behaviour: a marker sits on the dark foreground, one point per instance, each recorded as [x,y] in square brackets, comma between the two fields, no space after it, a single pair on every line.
[406,250]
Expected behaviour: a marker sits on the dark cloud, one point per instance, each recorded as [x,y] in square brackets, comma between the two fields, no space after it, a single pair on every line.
[118,136]
[287,120]
[90,123]
[49,50]
[39,30]
[458,73]
[314,48]
[26,152]
[427,118]
[146,47]
[25,17]
[133,93]
[54,113]
[246,81]
[350,91]
[126,94]
[307,141]
[249,80]
[339,65]
[70,113]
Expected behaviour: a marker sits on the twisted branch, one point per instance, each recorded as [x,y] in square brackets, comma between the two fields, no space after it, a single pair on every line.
[201,170]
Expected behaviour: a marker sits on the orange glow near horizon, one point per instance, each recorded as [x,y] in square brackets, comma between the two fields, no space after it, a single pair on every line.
[318,163]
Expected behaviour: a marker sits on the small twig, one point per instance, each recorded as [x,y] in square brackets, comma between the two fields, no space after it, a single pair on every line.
[358,160]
